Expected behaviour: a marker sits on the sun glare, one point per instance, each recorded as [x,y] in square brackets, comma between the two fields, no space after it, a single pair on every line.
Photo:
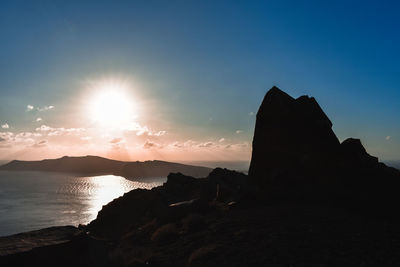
[111,106]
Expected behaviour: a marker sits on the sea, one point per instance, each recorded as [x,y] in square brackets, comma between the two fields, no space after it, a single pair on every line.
[35,200]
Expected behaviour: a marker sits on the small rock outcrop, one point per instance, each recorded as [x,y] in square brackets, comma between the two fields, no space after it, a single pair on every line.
[355,151]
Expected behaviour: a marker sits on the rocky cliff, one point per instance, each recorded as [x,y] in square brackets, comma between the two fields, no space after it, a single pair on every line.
[296,155]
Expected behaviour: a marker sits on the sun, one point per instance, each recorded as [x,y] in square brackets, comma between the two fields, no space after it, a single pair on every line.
[111,106]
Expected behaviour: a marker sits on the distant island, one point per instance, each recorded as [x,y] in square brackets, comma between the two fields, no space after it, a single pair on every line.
[93,165]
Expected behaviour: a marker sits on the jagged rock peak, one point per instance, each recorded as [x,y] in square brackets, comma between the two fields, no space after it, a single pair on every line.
[277,99]
[289,133]
[276,93]
[354,145]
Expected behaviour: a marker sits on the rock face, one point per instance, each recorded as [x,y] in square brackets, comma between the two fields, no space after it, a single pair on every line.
[290,134]
[296,154]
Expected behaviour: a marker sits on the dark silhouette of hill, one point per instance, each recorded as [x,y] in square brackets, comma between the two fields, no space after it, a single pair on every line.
[79,165]
[93,165]
[308,200]
[157,168]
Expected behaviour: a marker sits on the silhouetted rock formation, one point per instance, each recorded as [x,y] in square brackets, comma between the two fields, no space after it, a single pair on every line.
[290,135]
[297,155]
[93,165]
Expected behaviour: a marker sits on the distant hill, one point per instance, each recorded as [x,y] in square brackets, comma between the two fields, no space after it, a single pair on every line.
[93,165]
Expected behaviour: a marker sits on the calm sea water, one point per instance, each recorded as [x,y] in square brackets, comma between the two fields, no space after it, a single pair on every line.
[35,200]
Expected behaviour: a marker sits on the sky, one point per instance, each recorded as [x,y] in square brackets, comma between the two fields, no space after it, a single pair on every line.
[182,80]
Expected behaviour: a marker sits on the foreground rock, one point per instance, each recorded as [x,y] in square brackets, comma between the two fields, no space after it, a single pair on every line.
[45,237]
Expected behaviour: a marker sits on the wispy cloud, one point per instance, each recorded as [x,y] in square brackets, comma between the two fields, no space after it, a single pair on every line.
[39,119]
[5,126]
[116,140]
[190,144]
[59,131]
[45,108]
[388,137]
[149,144]
[160,133]
[142,130]
[40,109]
[239,131]
[251,113]
[206,144]
[40,144]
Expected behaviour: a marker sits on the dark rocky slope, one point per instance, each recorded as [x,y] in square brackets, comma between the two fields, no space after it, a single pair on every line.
[308,201]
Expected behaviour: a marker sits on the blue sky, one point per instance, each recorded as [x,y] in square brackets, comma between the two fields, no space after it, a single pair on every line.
[196,70]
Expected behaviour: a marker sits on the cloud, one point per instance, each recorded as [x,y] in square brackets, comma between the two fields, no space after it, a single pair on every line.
[142,130]
[5,126]
[238,146]
[251,113]
[29,108]
[44,128]
[192,146]
[388,137]
[39,144]
[206,144]
[221,140]
[148,145]
[39,119]
[23,135]
[239,131]
[22,139]
[116,140]
[45,108]
[59,131]
[160,133]
[117,143]
[6,135]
